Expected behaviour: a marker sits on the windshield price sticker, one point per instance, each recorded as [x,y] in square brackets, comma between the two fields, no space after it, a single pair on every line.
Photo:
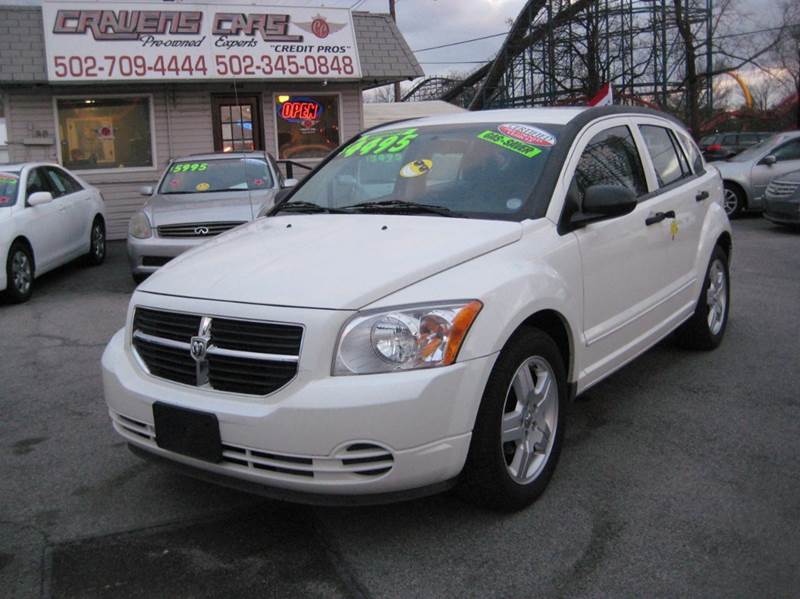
[186,167]
[509,143]
[392,143]
[528,134]
[10,179]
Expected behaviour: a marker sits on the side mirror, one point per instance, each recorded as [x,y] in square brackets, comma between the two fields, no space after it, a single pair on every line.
[146,190]
[289,183]
[603,201]
[769,160]
[40,197]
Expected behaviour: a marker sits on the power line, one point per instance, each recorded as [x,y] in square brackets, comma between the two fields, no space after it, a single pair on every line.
[474,39]
[486,37]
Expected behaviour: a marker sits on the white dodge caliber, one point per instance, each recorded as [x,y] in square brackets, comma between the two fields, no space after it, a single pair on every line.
[419,312]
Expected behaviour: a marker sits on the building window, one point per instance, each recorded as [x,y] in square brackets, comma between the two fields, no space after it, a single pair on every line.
[237,123]
[105,133]
[308,126]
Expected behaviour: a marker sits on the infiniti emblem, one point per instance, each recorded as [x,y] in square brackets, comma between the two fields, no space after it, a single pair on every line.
[198,348]
[201,230]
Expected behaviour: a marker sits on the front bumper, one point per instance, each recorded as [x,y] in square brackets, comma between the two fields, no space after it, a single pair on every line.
[416,425]
[146,256]
[785,212]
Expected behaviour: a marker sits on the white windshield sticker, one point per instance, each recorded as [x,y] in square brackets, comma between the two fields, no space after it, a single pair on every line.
[528,134]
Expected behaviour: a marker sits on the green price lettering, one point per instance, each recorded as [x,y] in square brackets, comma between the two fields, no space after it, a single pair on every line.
[391,143]
[189,167]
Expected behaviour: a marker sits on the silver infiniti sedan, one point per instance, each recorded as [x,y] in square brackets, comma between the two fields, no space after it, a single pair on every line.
[199,197]
[747,175]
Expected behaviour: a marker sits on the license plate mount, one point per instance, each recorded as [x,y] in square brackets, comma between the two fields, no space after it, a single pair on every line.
[187,432]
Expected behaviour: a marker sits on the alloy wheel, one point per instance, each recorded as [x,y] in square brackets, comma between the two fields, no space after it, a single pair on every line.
[21,272]
[530,418]
[716,296]
[98,241]
[731,201]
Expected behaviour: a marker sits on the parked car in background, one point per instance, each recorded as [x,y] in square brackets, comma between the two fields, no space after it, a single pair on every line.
[747,175]
[782,200]
[419,312]
[48,216]
[199,197]
[720,146]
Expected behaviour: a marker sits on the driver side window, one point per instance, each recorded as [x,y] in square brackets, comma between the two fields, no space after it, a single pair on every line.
[610,158]
[788,151]
[36,182]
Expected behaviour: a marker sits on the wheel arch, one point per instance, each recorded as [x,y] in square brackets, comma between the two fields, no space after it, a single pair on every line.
[557,327]
[24,241]
[725,241]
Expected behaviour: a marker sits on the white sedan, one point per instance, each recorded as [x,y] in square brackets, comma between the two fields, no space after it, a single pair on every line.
[418,313]
[48,216]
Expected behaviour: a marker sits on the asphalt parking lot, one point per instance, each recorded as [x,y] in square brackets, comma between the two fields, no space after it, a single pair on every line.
[680,476]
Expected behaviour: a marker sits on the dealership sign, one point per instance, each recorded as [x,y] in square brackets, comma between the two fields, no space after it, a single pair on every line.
[166,42]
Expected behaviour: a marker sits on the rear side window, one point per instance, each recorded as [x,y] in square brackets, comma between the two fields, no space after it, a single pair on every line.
[610,158]
[729,140]
[666,159]
[692,152]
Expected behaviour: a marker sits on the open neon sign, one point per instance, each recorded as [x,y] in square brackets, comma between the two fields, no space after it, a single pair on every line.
[301,110]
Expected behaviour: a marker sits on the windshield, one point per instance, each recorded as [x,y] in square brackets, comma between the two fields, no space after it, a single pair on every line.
[9,183]
[208,176]
[484,170]
[757,151]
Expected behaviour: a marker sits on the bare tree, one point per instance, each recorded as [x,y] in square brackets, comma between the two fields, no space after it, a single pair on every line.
[787,50]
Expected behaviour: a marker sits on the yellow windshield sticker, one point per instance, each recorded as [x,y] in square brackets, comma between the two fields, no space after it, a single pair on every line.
[202,187]
[416,168]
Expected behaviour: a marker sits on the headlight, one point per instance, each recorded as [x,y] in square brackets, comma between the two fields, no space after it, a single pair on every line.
[139,226]
[404,338]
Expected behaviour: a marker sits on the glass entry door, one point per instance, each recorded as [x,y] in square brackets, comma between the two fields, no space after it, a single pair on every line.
[237,123]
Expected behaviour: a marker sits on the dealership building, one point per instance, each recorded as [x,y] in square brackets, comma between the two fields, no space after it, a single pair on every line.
[113,91]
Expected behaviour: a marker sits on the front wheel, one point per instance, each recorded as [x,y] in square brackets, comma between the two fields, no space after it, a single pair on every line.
[705,329]
[733,201]
[19,274]
[97,245]
[520,425]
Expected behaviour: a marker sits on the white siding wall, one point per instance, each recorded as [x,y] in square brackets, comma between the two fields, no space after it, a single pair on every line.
[182,118]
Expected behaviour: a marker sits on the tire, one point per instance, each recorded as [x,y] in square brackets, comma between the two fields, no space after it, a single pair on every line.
[493,475]
[19,273]
[138,278]
[706,328]
[734,201]
[97,243]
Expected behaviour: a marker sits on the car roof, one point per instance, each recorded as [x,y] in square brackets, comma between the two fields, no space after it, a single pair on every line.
[18,166]
[222,155]
[563,115]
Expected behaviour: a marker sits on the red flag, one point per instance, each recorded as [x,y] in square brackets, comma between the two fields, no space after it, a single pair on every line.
[605,97]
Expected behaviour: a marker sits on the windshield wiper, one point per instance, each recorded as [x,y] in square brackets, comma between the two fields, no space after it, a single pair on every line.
[306,208]
[402,207]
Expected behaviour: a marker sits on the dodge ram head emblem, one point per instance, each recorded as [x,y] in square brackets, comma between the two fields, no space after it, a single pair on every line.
[198,348]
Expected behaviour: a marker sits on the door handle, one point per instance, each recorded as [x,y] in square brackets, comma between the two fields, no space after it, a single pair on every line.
[658,217]
[703,195]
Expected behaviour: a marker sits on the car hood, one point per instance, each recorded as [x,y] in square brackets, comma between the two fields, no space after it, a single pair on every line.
[339,262]
[239,206]
[732,169]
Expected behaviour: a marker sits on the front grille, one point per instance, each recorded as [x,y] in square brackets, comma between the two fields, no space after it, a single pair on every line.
[237,356]
[197,229]
[778,189]
[356,461]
